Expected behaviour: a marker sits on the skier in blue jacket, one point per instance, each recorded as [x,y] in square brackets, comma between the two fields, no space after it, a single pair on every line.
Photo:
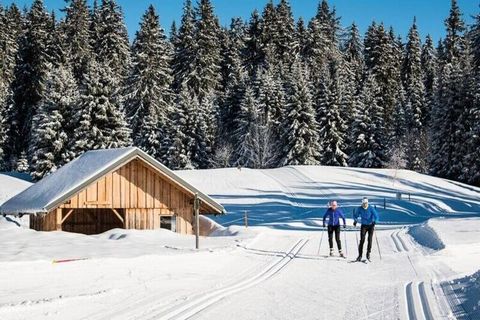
[368,218]
[334,213]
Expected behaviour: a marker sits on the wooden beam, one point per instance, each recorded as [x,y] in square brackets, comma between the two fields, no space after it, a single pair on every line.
[66,216]
[119,216]
[58,219]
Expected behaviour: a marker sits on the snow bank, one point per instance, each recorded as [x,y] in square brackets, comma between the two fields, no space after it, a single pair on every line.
[11,184]
[426,236]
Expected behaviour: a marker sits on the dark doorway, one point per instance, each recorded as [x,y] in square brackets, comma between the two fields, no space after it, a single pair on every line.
[92,221]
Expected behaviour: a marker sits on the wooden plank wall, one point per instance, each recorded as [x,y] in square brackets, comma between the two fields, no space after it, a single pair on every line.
[142,192]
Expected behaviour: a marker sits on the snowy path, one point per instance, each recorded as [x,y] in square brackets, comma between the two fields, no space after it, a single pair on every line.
[279,274]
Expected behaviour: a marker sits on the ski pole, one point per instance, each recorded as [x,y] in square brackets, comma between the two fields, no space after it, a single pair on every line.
[378,246]
[320,245]
[345,238]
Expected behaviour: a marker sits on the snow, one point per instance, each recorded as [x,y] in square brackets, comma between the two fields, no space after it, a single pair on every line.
[11,184]
[277,268]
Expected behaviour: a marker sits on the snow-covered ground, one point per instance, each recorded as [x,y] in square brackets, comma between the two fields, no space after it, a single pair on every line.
[277,268]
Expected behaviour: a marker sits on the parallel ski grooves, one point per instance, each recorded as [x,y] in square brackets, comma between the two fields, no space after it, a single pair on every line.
[193,307]
[410,302]
[423,297]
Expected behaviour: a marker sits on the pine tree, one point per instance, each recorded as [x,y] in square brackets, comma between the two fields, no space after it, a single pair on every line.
[179,153]
[148,97]
[415,94]
[205,79]
[449,104]
[429,68]
[185,48]
[234,78]
[369,129]
[253,55]
[98,120]
[30,76]
[76,29]
[301,146]
[49,139]
[112,47]
[286,45]
[246,120]
[332,126]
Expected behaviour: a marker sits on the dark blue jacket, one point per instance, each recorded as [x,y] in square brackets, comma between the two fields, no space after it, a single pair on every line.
[367,216]
[334,217]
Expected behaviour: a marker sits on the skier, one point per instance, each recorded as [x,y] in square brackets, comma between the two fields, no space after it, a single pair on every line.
[369,217]
[334,214]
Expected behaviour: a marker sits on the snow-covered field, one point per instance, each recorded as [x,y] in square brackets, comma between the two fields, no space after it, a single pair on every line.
[422,268]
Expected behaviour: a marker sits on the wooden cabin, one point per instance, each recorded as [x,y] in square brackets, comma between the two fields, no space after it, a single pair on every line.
[111,188]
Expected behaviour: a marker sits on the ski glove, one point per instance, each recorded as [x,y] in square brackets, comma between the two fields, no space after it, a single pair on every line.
[324,225]
[354,223]
[344,226]
[373,223]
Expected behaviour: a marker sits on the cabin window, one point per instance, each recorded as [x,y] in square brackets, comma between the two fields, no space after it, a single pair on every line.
[168,222]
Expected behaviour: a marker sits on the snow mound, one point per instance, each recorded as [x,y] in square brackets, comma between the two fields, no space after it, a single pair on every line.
[11,185]
[426,236]
[208,226]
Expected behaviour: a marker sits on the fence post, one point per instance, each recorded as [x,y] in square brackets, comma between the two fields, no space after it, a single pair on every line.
[246,219]
[196,208]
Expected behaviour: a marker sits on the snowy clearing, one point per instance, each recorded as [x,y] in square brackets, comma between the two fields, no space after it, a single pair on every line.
[277,268]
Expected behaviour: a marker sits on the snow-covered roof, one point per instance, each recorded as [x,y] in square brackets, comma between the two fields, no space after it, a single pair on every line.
[61,185]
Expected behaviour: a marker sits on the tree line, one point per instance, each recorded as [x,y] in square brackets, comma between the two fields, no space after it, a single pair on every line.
[262,93]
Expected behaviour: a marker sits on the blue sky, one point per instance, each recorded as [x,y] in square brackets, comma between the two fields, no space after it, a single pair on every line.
[397,13]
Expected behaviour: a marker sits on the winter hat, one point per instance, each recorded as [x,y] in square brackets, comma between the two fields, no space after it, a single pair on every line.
[365,200]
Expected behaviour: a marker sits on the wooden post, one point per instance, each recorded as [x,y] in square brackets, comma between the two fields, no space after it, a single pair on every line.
[196,208]
[59,219]
[246,220]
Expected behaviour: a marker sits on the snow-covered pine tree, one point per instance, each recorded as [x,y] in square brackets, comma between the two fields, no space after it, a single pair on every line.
[185,47]
[449,98]
[369,129]
[331,125]
[253,56]
[285,42]
[351,81]
[198,139]
[429,68]
[98,120]
[112,48]
[234,77]
[148,96]
[179,153]
[415,97]
[383,57]
[301,141]
[49,138]
[76,30]
[30,76]
[272,101]
[206,77]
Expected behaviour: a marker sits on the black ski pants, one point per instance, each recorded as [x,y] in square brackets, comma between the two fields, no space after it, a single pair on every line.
[370,228]
[331,230]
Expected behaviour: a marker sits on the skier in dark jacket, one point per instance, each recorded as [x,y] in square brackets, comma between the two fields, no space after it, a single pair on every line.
[368,218]
[334,213]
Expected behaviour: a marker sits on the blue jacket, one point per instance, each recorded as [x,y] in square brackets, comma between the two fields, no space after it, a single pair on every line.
[367,216]
[334,217]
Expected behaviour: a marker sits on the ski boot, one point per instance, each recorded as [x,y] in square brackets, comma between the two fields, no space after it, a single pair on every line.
[341,254]
[359,259]
[331,252]
[368,256]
